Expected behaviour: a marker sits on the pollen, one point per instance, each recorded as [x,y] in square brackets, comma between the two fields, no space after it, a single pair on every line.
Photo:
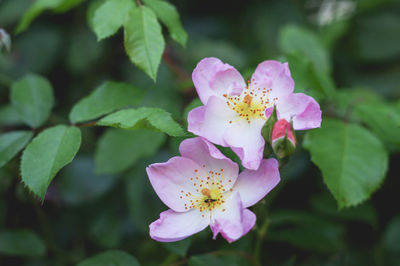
[206,192]
[251,103]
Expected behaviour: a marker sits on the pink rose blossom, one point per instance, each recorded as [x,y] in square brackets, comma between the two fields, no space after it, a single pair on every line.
[204,188]
[234,113]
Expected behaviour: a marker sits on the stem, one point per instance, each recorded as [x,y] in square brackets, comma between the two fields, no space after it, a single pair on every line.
[139,3]
[89,124]
[261,234]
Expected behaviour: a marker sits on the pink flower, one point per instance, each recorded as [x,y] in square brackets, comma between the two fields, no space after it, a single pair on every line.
[283,141]
[234,114]
[204,188]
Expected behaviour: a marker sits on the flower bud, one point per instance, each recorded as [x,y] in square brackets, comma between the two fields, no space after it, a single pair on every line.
[5,40]
[282,139]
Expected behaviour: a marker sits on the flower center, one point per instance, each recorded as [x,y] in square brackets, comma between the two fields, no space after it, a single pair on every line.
[209,192]
[251,103]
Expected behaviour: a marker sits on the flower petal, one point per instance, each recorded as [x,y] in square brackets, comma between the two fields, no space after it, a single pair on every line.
[302,109]
[169,179]
[175,226]
[229,219]
[212,77]
[204,153]
[249,220]
[211,120]
[254,185]
[246,141]
[273,75]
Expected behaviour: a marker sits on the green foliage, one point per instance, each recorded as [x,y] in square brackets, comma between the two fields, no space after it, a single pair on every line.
[308,60]
[144,117]
[21,242]
[11,143]
[378,30]
[9,116]
[118,149]
[326,205]
[39,6]
[106,98]
[48,152]
[179,248]
[107,16]
[215,260]
[107,230]
[34,11]
[111,257]
[32,97]
[168,15]
[143,40]
[306,231]
[79,184]
[383,119]
[85,213]
[298,39]
[352,160]
[391,236]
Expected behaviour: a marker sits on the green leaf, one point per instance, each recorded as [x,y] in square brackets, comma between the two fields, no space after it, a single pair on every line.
[48,152]
[143,40]
[118,149]
[352,160]
[107,16]
[168,15]
[11,143]
[144,117]
[391,236]
[32,97]
[106,98]
[67,5]
[21,242]
[383,119]
[111,257]
[295,39]
[37,8]
[9,116]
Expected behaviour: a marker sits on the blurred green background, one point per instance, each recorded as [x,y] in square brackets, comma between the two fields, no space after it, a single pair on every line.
[297,224]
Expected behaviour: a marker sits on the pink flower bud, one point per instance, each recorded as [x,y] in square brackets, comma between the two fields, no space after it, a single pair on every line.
[282,138]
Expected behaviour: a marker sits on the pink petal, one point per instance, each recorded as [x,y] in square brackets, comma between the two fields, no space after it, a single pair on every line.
[273,75]
[204,153]
[230,219]
[254,185]
[249,220]
[169,179]
[302,109]
[212,77]
[211,120]
[246,141]
[175,226]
